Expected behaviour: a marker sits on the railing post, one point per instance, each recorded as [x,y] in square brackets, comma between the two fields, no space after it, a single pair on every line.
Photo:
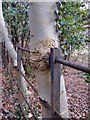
[55,81]
[3,54]
[19,81]
[18,57]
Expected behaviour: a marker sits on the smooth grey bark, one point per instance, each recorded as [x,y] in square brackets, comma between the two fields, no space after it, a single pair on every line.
[42,28]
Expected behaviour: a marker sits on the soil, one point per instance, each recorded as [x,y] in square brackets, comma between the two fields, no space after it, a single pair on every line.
[77,94]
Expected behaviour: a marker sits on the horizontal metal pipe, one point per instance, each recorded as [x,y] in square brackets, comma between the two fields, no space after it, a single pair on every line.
[73,65]
[23,49]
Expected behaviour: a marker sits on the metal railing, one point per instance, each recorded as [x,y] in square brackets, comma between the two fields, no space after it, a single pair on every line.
[54,112]
[55,60]
[18,68]
[58,59]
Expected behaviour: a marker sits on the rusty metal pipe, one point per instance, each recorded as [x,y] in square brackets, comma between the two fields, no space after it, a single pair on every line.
[73,65]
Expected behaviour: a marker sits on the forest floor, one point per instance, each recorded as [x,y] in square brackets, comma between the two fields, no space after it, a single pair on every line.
[77,88]
[77,93]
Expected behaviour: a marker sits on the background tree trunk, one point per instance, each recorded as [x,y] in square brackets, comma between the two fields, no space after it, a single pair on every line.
[12,53]
[42,28]
[89,36]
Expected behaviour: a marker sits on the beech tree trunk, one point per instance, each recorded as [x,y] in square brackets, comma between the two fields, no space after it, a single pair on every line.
[42,28]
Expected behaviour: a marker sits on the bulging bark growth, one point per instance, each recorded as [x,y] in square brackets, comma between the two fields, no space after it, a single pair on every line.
[43,31]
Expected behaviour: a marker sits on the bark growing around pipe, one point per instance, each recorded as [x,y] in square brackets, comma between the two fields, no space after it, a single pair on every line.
[12,53]
[42,28]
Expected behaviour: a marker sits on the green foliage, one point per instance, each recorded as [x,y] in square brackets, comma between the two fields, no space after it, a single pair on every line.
[87,77]
[17,20]
[28,70]
[36,111]
[88,116]
[70,25]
